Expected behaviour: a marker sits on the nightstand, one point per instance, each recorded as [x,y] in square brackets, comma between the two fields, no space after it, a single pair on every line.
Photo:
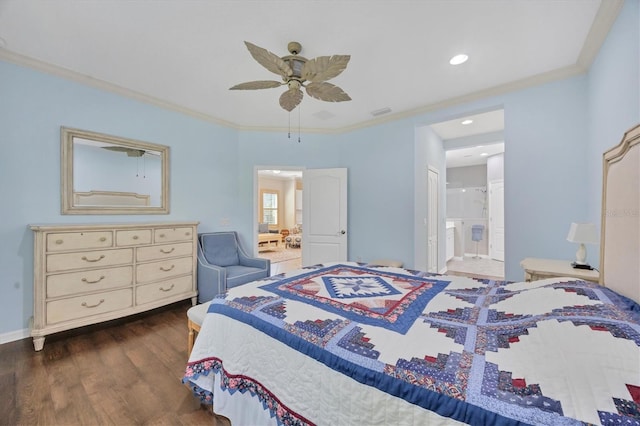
[539,269]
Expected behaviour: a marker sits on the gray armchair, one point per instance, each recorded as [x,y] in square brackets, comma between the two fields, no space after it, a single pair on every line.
[223,264]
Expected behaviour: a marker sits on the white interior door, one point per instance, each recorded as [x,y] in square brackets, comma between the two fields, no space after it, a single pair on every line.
[432,220]
[324,216]
[496,220]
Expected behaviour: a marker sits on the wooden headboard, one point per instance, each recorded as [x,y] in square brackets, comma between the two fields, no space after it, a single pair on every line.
[110,198]
[620,238]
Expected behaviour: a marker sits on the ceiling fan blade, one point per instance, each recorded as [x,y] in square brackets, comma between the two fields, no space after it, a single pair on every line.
[324,68]
[291,99]
[327,92]
[260,84]
[131,152]
[269,60]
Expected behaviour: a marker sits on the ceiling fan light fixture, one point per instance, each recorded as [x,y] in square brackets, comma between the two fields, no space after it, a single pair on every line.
[459,59]
[296,64]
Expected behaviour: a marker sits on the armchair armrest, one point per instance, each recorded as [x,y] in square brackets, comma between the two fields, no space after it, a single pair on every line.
[211,279]
[254,262]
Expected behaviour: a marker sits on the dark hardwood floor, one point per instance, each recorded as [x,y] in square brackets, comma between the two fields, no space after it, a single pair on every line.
[124,372]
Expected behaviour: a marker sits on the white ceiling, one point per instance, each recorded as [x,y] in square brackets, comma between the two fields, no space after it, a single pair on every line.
[281,174]
[473,156]
[186,54]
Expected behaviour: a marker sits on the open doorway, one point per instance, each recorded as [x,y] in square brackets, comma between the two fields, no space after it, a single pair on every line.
[474,147]
[278,212]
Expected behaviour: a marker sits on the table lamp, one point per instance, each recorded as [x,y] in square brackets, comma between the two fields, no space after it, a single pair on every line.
[582,233]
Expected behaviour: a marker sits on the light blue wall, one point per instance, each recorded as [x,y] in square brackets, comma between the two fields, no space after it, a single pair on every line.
[614,102]
[549,157]
[33,106]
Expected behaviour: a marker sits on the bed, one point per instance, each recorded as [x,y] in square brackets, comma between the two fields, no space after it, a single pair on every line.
[348,343]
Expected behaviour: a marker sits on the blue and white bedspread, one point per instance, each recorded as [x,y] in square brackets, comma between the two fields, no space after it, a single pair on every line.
[348,344]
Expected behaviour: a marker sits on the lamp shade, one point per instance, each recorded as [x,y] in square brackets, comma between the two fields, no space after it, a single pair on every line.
[584,233]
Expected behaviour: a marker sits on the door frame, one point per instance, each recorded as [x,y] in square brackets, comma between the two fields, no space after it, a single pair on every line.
[436,211]
[490,187]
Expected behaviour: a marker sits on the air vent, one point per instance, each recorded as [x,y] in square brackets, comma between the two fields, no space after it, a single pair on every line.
[382,111]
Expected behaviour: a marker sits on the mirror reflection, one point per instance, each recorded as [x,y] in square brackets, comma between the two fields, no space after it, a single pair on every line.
[104,174]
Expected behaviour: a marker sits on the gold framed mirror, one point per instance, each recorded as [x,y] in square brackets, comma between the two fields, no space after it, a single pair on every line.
[104,174]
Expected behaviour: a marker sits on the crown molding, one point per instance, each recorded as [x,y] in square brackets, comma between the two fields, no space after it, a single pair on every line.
[605,17]
[68,74]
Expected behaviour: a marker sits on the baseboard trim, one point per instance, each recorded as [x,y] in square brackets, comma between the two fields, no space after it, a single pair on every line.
[472,255]
[12,336]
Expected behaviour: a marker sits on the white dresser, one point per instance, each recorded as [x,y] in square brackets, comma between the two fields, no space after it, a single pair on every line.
[86,274]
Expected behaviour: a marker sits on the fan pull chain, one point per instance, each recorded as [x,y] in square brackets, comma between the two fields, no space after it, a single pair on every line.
[144,166]
[137,166]
[298,123]
[289,134]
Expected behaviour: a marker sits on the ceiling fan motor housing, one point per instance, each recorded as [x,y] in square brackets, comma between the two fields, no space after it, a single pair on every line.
[296,63]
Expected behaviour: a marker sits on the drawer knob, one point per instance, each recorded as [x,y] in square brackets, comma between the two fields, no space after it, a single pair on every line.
[103,239]
[135,237]
[93,306]
[167,289]
[161,235]
[187,233]
[167,251]
[93,260]
[59,241]
[94,281]
[162,268]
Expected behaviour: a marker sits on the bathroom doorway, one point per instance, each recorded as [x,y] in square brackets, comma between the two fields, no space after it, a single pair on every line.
[474,147]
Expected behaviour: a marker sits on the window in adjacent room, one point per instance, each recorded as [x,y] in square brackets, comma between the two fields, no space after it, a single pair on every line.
[269,206]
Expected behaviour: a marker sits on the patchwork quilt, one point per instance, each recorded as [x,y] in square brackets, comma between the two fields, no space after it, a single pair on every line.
[392,344]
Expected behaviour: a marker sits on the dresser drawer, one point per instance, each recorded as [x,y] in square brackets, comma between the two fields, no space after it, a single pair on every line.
[155,271]
[92,259]
[65,241]
[164,251]
[161,290]
[133,237]
[72,283]
[165,235]
[88,305]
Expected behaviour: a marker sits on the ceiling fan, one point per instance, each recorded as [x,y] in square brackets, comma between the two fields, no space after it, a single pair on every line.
[297,72]
[131,152]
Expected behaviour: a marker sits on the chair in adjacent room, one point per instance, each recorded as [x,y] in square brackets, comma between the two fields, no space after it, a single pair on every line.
[223,264]
[476,235]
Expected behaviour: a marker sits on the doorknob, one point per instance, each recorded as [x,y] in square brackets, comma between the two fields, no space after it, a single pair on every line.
[343,232]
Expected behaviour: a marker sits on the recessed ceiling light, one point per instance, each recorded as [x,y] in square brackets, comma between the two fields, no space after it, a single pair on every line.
[458,59]
[484,154]
[276,172]
[479,146]
[466,122]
